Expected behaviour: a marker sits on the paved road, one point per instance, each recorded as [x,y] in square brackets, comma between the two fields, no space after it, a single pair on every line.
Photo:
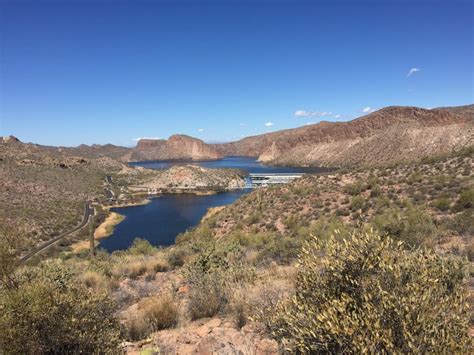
[88,211]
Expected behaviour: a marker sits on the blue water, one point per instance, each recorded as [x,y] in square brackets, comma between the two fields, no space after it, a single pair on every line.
[163,218]
[171,214]
[251,165]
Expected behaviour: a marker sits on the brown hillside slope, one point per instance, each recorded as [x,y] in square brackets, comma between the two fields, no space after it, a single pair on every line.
[386,136]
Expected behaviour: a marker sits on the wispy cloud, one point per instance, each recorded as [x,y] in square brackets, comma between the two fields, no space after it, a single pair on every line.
[139,138]
[412,71]
[337,116]
[201,130]
[304,113]
[269,124]
[243,124]
[367,109]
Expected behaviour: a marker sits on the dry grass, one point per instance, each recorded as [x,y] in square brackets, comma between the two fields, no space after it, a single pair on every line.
[153,314]
[96,281]
[107,227]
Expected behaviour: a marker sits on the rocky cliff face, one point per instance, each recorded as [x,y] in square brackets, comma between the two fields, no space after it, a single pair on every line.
[389,135]
[177,147]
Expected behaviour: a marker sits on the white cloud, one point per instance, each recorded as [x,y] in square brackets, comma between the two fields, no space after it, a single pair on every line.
[139,138]
[303,113]
[367,109]
[269,124]
[412,71]
[201,130]
[337,116]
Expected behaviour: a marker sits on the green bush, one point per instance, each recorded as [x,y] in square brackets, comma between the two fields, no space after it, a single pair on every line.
[51,312]
[208,296]
[141,247]
[355,188]
[357,202]
[466,199]
[462,223]
[367,294]
[412,226]
[176,257]
[442,203]
[211,275]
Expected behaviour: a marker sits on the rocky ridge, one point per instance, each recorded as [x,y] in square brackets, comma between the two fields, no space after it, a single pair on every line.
[390,135]
[177,147]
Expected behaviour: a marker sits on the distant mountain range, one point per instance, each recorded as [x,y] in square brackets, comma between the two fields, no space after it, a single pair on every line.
[386,136]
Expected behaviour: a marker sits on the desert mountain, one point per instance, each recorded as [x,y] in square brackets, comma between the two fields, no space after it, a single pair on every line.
[389,135]
[177,147]
[392,134]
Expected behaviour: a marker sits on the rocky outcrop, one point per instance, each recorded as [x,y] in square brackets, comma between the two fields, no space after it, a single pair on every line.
[192,177]
[177,147]
[386,136]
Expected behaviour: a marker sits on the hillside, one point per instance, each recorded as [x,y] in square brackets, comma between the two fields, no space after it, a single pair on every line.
[43,189]
[218,288]
[392,134]
[192,178]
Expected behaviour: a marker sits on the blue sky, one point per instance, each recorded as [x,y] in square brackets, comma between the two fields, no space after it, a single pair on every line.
[76,72]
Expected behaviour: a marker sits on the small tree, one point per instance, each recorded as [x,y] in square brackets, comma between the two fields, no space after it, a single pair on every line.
[367,294]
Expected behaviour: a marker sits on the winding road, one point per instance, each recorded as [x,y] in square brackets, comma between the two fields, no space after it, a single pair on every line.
[88,211]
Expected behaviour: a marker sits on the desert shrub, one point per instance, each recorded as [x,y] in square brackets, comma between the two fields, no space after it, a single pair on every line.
[95,281]
[176,257]
[160,265]
[130,269]
[357,202]
[326,226]
[466,199]
[282,249]
[160,312]
[50,312]
[208,296]
[462,223]
[212,274]
[355,188]
[136,328]
[442,203]
[412,226]
[141,247]
[375,191]
[367,294]
[416,176]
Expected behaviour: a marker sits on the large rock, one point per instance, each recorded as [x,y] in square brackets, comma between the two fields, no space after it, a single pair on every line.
[177,147]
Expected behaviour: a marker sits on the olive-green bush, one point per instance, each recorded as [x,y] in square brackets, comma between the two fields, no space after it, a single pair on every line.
[413,226]
[367,294]
[212,276]
[51,312]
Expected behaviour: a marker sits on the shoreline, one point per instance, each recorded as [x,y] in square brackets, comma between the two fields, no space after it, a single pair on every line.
[106,228]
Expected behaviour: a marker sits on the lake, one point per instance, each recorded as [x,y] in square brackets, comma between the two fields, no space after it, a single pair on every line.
[168,215]
[250,165]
